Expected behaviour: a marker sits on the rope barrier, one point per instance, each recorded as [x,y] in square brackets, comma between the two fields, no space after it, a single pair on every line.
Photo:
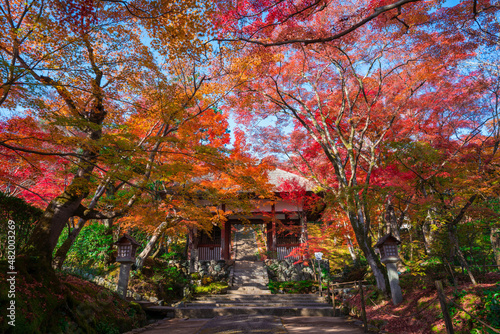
[473,316]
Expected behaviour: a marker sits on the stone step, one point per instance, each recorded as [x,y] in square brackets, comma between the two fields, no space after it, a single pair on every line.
[255,282]
[256,303]
[211,312]
[250,273]
[248,291]
[258,284]
[266,297]
[250,270]
[247,277]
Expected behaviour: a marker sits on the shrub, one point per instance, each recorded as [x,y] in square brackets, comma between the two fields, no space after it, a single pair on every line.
[91,248]
[355,271]
[295,287]
[24,215]
[212,288]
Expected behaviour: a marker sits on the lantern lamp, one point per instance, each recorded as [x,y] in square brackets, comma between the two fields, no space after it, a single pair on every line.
[388,247]
[127,247]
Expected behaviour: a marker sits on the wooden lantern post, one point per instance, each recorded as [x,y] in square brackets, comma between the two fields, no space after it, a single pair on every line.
[127,247]
[388,246]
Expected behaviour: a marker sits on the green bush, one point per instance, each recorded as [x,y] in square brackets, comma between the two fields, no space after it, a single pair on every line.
[212,288]
[25,217]
[91,248]
[491,309]
[295,287]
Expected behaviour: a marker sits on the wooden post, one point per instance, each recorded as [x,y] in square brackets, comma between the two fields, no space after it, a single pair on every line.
[303,230]
[444,308]
[274,249]
[228,240]
[269,232]
[223,241]
[363,310]
[337,287]
[333,302]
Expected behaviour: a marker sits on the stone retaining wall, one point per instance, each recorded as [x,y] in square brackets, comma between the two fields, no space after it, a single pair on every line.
[286,270]
[218,269]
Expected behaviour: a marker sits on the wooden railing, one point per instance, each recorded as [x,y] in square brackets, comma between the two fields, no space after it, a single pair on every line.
[284,251]
[209,253]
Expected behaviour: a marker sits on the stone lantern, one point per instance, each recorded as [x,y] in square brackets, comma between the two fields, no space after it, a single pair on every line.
[127,247]
[388,247]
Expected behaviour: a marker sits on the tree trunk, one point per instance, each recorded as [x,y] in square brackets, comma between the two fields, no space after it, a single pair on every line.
[46,233]
[193,249]
[495,243]
[110,232]
[427,236]
[139,262]
[458,252]
[186,247]
[62,251]
[364,242]
[351,249]
[391,219]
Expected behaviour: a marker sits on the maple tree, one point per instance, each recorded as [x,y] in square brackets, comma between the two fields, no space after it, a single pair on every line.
[90,65]
[373,101]
[285,22]
[342,102]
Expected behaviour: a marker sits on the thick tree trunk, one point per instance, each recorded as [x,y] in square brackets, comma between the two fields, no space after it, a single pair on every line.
[495,243]
[364,242]
[62,252]
[146,252]
[45,235]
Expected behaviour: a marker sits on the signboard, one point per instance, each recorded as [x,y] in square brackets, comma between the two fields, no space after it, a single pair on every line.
[318,255]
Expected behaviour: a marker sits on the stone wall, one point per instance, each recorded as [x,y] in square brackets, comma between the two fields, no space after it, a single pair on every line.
[286,270]
[218,269]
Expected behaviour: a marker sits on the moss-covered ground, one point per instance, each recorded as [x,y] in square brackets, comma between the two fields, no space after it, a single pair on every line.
[48,302]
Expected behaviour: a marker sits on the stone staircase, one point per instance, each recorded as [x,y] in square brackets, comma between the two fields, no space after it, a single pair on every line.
[239,304]
[249,294]
[249,275]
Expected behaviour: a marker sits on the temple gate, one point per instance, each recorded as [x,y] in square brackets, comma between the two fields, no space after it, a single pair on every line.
[285,223]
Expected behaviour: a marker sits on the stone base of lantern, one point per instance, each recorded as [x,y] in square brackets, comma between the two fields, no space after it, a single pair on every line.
[392,273]
[123,279]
